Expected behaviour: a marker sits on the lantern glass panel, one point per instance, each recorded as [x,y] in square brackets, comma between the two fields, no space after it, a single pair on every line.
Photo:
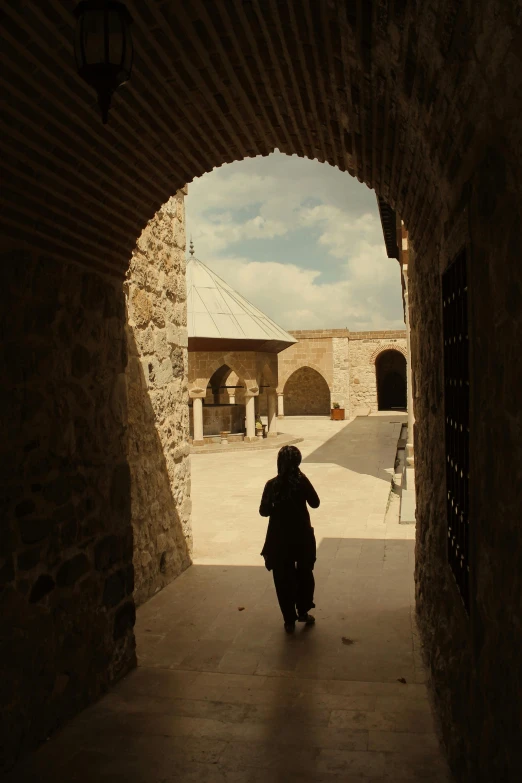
[116,38]
[93,37]
[78,46]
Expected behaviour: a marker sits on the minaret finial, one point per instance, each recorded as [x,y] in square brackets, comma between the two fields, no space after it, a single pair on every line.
[191,247]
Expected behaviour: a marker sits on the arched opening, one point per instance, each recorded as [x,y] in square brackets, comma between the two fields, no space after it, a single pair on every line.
[402,95]
[218,388]
[223,406]
[390,373]
[266,387]
[306,393]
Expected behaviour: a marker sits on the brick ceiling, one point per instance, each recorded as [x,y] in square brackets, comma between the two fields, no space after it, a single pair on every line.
[395,92]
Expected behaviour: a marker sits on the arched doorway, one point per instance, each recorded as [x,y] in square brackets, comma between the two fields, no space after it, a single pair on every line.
[306,393]
[394,93]
[390,372]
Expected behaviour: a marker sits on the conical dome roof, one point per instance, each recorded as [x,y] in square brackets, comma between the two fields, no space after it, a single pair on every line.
[217,314]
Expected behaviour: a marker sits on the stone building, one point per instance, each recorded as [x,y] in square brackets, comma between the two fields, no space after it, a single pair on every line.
[232,358]
[421,102]
[362,371]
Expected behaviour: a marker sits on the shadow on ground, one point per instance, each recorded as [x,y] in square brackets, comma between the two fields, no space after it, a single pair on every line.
[223,695]
[356,446]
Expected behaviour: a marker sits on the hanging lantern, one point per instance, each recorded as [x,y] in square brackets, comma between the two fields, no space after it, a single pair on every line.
[103,47]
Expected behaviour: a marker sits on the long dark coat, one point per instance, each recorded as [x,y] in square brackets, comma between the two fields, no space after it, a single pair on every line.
[290,535]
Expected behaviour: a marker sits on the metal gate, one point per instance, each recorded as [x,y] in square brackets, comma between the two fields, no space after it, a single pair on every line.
[456,403]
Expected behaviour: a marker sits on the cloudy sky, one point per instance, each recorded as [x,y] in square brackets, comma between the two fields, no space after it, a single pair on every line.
[300,240]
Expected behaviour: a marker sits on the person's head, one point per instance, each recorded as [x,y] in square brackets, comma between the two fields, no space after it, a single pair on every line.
[288,460]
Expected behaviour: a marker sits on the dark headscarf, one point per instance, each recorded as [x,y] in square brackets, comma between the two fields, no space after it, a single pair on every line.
[288,473]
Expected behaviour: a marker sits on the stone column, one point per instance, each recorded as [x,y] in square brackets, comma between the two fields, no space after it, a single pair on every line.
[250,418]
[197,411]
[232,399]
[272,418]
[280,406]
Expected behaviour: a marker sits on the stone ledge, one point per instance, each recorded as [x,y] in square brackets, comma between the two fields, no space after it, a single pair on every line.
[407,510]
[266,443]
[398,334]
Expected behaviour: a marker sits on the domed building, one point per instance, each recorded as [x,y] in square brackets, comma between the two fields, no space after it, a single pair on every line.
[232,359]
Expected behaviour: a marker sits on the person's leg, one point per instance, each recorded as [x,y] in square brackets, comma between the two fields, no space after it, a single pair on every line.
[304,588]
[285,585]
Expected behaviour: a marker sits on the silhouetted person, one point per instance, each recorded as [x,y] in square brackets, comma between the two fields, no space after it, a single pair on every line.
[290,549]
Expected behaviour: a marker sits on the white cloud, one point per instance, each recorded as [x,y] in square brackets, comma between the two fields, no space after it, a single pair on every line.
[292,297]
[219,234]
[268,199]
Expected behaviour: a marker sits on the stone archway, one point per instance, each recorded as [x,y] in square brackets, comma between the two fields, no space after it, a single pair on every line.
[220,411]
[336,86]
[217,385]
[419,101]
[390,373]
[306,393]
[204,366]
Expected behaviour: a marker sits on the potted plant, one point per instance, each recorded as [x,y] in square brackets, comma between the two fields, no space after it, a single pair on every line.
[336,413]
[259,427]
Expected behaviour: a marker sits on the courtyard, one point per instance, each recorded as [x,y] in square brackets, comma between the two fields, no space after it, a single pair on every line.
[221,694]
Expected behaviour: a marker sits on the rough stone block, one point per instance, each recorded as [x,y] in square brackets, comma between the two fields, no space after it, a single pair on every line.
[29,559]
[80,361]
[72,570]
[121,490]
[124,619]
[43,585]
[35,529]
[107,552]
[118,585]
[7,572]
[58,491]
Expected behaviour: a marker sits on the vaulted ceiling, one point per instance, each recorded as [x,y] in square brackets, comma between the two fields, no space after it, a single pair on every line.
[398,93]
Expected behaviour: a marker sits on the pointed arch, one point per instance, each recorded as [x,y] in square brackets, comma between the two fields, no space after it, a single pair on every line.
[312,366]
[388,347]
[307,393]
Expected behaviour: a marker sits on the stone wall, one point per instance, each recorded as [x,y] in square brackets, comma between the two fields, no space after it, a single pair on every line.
[158,401]
[363,351]
[341,373]
[220,418]
[313,349]
[306,394]
[475,662]
[345,359]
[66,574]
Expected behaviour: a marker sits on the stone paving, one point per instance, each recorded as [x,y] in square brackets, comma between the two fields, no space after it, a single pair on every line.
[222,694]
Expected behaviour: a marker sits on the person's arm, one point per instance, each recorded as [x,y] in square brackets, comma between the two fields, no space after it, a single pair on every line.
[265,509]
[312,498]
